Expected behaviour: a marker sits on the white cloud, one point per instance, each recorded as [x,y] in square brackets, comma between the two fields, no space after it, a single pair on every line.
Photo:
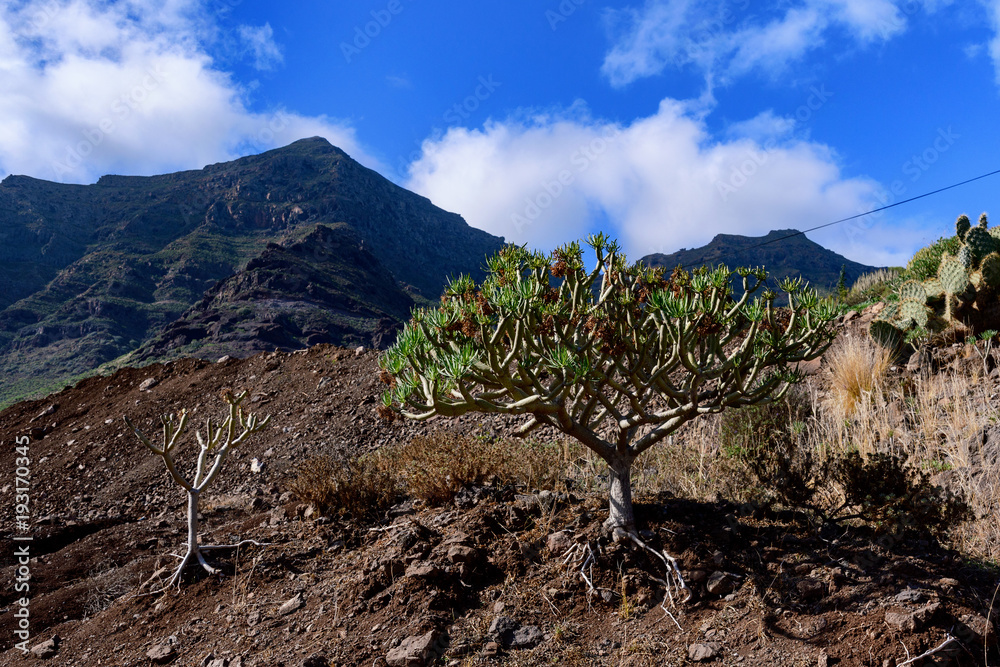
[725,39]
[91,87]
[259,43]
[663,181]
[992,8]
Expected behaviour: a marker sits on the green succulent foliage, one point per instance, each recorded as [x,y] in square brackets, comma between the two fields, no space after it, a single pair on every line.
[983,221]
[962,226]
[588,352]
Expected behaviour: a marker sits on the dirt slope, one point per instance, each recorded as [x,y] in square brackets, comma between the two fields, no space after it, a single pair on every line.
[495,581]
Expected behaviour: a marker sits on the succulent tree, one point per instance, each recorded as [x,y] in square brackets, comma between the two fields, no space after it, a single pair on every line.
[618,358]
[219,440]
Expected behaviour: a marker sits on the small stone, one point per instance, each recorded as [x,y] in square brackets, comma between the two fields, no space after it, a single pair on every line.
[490,650]
[948,582]
[696,576]
[316,660]
[223,359]
[461,554]
[424,570]
[824,660]
[292,605]
[503,628]
[909,595]
[255,465]
[902,621]
[559,543]
[418,650]
[720,583]
[810,589]
[704,652]
[359,350]
[46,649]
[147,384]
[161,654]
[527,636]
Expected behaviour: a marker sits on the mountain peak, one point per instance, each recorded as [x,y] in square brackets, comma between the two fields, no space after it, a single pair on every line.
[786,253]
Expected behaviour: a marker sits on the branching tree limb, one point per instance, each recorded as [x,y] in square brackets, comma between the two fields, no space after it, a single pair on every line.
[219,440]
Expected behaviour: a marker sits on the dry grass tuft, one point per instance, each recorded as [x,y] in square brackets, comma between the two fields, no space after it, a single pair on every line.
[435,467]
[363,487]
[858,367]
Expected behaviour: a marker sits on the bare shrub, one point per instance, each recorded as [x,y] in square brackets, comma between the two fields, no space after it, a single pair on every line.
[435,467]
[363,487]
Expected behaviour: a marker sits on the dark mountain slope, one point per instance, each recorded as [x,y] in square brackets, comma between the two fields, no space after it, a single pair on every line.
[794,257]
[325,288]
[91,273]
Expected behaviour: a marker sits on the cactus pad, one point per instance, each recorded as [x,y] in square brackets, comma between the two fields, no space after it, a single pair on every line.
[962,225]
[953,276]
[890,312]
[912,309]
[984,221]
[933,288]
[989,267]
[912,290]
[965,257]
[979,241]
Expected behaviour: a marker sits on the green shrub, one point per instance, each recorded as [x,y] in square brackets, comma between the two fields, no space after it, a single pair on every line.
[926,261]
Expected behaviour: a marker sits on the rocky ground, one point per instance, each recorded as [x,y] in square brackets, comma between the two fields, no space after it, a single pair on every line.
[503,576]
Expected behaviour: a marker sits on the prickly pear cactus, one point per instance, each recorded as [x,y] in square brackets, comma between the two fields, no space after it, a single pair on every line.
[962,225]
[913,312]
[933,288]
[989,267]
[953,275]
[966,291]
[965,257]
[979,241]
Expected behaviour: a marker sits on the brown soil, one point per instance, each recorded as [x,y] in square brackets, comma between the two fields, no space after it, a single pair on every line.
[105,517]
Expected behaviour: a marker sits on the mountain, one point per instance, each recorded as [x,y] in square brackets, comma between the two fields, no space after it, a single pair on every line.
[89,273]
[784,252]
[326,288]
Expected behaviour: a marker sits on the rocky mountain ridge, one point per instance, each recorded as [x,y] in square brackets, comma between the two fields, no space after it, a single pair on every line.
[89,273]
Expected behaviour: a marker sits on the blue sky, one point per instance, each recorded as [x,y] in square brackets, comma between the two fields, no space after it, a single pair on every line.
[663,122]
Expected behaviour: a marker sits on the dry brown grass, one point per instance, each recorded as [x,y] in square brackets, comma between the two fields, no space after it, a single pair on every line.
[435,467]
[858,367]
[363,487]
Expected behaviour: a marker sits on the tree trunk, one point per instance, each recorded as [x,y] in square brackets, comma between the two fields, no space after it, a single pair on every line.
[192,522]
[620,515]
